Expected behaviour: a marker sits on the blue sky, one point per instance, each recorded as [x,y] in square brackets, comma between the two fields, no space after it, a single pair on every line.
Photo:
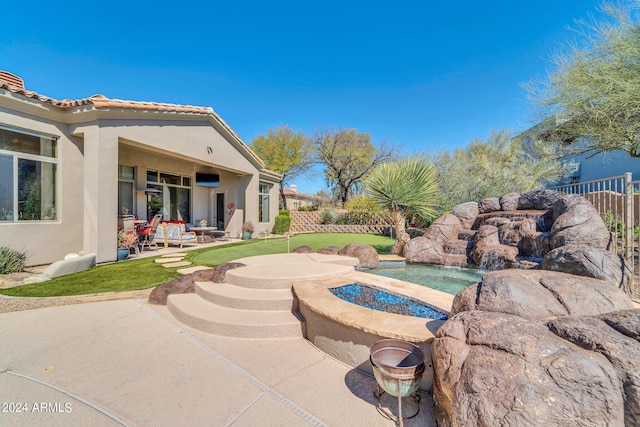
[425,77]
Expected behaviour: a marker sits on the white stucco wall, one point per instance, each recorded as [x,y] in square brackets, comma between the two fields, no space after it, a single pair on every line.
[91,145]
[47,241]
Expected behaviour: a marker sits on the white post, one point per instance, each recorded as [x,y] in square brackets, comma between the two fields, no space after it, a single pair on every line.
[628,246]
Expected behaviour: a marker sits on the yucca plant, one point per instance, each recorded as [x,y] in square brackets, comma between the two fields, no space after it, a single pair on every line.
[11,260]
[405,187]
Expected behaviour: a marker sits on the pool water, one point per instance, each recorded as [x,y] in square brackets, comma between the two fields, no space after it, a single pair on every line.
[377,299]
[446,279]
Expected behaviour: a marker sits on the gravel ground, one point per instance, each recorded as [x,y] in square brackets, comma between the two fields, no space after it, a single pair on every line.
[19,304]
[9,304]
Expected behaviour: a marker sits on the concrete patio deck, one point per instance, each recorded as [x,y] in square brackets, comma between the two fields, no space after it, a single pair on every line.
[126,362]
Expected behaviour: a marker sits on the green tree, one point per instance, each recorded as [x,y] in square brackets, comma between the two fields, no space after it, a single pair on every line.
[497,166]
[284,151]
[349,157]
[593,88]
[404,187]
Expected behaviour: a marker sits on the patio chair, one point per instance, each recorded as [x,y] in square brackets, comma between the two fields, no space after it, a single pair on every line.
[148,234]
[129,227]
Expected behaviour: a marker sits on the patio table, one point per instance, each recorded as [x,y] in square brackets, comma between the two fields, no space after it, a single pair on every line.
[203,231]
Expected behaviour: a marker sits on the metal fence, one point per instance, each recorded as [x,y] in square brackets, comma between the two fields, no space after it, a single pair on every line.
[617,199]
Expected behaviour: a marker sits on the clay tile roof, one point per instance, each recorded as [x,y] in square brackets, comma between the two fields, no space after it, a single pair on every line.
[11,79]
[15,84]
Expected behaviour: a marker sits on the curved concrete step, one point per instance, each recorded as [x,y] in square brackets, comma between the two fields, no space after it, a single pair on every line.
[200,314]
[278,276]
[232,296]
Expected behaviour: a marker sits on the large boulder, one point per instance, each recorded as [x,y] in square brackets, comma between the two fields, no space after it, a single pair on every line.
[430,247]
[541,295]
[488,235]
[186,284]
[349,250]
[494,369]
[217,274]
[180,285]
[329,250]
[509,202]
[494,257]
[424,250]
[489,253]
[588,261]
[538,199]
[490,204]
[535,245]
[367,255]
[444,229]
[466,213]
[576,221]
[615,336]
[514,231]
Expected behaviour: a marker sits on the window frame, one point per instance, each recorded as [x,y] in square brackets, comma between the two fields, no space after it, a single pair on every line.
[15,157]
[157,184]
[131,181]
[264,191]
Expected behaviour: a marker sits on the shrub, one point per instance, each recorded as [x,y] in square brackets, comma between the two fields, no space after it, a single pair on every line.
[617,226]
[327,216]
[362,203]
[11,260]
[309,208]
[284,212]
[282,223]
[362,210]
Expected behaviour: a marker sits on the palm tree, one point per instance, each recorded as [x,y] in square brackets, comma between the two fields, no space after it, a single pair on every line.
[404,187]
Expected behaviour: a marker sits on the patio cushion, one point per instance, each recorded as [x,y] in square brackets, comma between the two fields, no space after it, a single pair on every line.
[175,233]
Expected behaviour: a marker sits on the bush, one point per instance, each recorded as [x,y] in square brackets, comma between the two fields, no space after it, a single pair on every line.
[11,260]
[284,212]
[309,208]
[362,210]
[362,203]
[327,216]
[282,223]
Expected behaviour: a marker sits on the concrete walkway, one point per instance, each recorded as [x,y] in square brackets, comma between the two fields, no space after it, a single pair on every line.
[125,362]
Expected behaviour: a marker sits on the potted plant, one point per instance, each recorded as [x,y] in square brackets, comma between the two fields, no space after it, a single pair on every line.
[125,241]
[247,230]
[7,214]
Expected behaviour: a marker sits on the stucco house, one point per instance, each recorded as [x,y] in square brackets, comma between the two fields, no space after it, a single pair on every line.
[297,200]
[68,168]
[586,167]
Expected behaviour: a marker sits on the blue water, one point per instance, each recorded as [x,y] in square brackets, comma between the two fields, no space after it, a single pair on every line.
[446,279]
[376,299]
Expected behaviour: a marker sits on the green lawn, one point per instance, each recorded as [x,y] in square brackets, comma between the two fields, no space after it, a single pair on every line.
[145,273]
[315,241]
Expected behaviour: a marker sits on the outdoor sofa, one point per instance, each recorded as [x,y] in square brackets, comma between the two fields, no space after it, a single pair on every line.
[174,233]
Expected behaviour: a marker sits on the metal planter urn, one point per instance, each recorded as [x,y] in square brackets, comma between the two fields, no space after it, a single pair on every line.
[398,367]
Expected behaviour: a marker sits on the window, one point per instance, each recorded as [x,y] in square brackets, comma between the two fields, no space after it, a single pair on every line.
[263,203]
[173,196]
[126,180]
[28,171]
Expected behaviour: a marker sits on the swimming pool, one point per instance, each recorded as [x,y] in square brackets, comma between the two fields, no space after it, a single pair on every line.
[446,279]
